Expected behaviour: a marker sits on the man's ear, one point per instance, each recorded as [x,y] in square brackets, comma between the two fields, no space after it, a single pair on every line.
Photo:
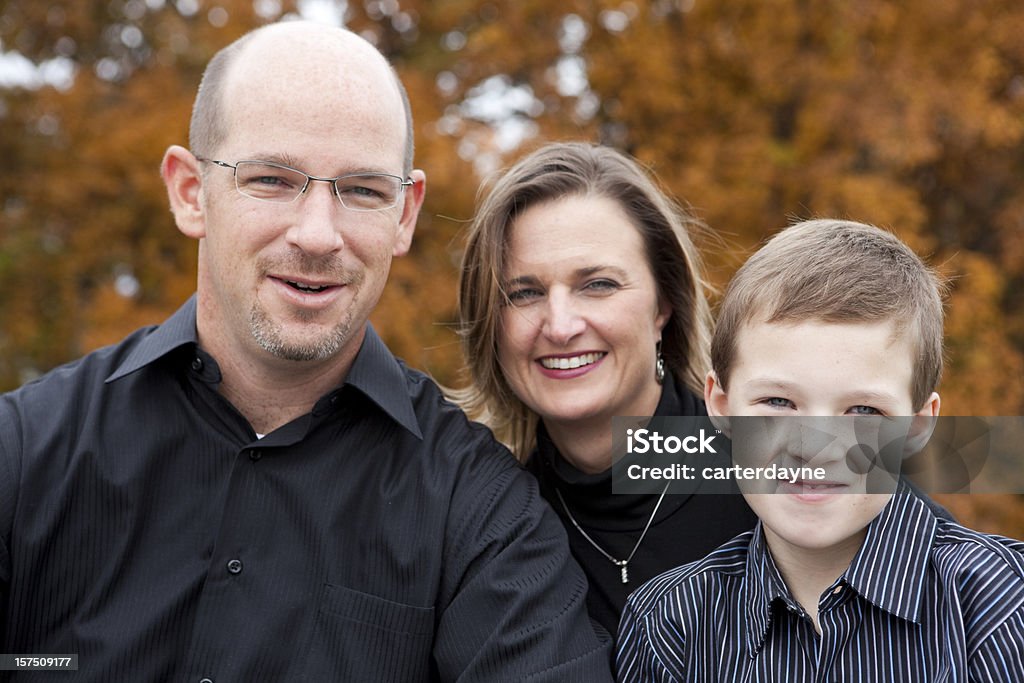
[184,182]
[717,403]
[411,204]
[922,426]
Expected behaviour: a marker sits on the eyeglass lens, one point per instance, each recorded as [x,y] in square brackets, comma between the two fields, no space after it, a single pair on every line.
[274,183]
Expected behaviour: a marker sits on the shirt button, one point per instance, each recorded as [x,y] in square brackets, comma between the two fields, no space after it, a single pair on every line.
[255,454]
[197,365]
[235,566]
[205,680]
[838,590]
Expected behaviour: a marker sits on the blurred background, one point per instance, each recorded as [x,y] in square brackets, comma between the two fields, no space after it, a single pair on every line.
[755,113]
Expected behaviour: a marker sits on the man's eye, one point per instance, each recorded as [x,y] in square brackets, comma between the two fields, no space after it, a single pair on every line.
[266,176]
[368,192]
[362,191]
[269,180]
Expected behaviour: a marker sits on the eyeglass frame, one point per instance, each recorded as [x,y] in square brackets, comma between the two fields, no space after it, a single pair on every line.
[402,182]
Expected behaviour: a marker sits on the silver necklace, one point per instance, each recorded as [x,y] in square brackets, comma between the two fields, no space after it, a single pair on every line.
[623,565]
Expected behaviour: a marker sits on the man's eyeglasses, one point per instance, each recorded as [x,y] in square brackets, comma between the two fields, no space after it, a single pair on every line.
[271,182]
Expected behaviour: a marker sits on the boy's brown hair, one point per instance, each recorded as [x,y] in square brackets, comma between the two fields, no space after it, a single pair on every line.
[837,272]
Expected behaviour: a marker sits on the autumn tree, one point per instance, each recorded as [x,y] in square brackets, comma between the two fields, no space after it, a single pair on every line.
[755,112]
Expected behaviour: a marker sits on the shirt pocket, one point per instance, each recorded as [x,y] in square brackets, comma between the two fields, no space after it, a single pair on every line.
[362,637]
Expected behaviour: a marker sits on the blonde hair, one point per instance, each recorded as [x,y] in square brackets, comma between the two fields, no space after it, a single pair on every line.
[553,172]
[836,271]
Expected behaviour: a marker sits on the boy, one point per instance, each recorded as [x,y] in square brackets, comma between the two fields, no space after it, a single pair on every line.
[837,582]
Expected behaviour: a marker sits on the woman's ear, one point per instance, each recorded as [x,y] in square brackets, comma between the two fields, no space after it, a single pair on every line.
[664,313]
[717,403]
[184,182]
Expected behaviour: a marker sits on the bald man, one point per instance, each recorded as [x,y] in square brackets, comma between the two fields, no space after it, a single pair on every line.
[257,490]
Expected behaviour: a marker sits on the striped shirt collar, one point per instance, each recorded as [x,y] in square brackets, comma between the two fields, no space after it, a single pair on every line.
[889,570]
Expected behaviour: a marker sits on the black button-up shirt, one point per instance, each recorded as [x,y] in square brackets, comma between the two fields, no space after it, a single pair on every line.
[924,599]
[380,537]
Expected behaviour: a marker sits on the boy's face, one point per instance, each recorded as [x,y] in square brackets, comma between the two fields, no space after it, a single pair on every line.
[815,368]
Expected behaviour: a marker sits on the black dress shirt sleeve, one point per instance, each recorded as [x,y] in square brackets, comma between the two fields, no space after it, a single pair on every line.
[8,489]
[519,602]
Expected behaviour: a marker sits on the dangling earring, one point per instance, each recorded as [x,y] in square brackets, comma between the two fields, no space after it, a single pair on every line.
[659,364]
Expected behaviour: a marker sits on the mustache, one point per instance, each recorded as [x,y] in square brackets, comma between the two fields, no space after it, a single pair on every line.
[327,267]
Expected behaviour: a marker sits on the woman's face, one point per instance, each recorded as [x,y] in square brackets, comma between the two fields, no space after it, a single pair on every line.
[577,337]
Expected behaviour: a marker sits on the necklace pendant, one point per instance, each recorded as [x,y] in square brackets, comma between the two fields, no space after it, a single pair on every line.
[625,573]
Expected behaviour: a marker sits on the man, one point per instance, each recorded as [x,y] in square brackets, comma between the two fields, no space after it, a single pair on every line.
[256,489]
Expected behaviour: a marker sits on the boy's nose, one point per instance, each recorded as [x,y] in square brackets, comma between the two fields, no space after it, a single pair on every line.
[820,441]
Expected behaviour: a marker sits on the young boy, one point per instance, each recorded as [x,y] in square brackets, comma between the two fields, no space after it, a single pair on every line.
[837,582]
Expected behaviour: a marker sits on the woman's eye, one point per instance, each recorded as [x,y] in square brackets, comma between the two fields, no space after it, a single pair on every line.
[601,285]
[864,410]
[522,296]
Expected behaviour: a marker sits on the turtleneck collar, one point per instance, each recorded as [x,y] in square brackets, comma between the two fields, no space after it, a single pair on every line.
[589,496]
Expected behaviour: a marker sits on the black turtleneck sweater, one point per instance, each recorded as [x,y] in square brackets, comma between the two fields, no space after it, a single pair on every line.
[686,528]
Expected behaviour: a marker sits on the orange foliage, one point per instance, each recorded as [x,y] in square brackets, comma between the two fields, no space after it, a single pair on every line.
[909,115]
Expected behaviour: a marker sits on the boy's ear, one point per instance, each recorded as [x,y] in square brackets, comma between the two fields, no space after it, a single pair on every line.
[717,403]
[922,426]
[184,182]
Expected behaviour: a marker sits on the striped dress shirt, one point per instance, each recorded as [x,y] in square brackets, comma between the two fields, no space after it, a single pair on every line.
[924,600]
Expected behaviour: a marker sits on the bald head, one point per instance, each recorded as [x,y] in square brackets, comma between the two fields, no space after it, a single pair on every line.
[318,58]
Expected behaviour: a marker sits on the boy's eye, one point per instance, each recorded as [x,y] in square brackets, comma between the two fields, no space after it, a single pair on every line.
[778,402]
[864,410]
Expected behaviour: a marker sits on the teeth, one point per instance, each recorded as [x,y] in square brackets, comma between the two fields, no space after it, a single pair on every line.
[307,288]
[571,363]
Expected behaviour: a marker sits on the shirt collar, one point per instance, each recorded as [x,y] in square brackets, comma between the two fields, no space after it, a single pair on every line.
[175,332]
[379,375]
[375,371]
[889,570]
[764,585]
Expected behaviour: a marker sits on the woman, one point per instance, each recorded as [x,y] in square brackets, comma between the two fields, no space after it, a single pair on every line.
[580,299]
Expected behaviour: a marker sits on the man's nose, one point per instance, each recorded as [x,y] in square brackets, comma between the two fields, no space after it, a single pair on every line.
[317,227]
